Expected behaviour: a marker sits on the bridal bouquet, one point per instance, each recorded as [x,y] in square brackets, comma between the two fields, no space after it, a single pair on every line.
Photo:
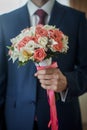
[40,43]
[37,43]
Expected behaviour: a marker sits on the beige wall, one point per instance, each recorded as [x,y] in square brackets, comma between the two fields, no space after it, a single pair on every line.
[83,105]
[79,5]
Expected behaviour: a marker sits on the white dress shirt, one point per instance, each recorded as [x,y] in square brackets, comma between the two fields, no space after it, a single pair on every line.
[33,8]
[34,19]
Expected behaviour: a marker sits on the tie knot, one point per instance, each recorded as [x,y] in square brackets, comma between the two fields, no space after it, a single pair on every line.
[42,15]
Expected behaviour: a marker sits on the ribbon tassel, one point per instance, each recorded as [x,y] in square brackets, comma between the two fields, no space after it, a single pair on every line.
[53,112]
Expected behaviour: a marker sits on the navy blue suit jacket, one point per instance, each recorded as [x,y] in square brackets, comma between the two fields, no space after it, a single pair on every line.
[18,86]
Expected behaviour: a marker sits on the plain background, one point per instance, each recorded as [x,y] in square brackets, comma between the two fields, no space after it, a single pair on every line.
[8,5]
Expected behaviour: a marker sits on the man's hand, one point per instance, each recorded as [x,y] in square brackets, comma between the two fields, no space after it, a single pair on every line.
[52,78]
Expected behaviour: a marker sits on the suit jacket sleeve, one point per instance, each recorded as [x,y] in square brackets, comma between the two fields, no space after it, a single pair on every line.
[2,76]
[77,79]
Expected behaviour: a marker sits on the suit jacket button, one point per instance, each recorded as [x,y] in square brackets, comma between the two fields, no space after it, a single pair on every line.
[33,102]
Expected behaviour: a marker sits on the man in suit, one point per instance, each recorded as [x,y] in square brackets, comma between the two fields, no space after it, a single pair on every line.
[23,90]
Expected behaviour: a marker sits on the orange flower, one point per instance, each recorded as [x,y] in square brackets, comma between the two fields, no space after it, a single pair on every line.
[39,54]
[25,40]
[40,31]
[58,47]
[56,35]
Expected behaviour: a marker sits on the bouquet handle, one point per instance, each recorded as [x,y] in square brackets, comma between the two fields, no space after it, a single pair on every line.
[53,123]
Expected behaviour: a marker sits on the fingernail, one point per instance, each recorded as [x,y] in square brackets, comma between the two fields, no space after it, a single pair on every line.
[35,74]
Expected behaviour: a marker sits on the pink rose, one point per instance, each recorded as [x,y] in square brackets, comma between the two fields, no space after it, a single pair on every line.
[58,47]
[25,40]
[39,54]
[40,31]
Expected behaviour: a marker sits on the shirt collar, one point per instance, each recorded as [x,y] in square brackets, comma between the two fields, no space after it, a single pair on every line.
[46,7]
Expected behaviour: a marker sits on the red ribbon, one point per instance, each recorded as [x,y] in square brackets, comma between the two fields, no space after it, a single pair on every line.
[53,123]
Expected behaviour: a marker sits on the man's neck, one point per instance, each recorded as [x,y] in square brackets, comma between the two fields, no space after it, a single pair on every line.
[39,3]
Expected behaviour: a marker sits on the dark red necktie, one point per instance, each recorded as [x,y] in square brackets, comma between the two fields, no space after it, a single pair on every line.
[42,15]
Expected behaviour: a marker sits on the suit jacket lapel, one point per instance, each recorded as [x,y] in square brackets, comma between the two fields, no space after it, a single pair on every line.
[24,17]
[57,14]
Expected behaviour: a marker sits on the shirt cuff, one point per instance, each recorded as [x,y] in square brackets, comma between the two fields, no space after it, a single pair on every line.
[63,95]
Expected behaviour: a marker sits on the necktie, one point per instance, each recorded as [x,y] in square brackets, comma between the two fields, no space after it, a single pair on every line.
[42,15]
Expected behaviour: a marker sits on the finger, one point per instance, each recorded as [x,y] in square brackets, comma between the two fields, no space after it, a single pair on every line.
[51,87]
[48,77]
[49,82]
[35,74]
[47,87]
[47,71]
